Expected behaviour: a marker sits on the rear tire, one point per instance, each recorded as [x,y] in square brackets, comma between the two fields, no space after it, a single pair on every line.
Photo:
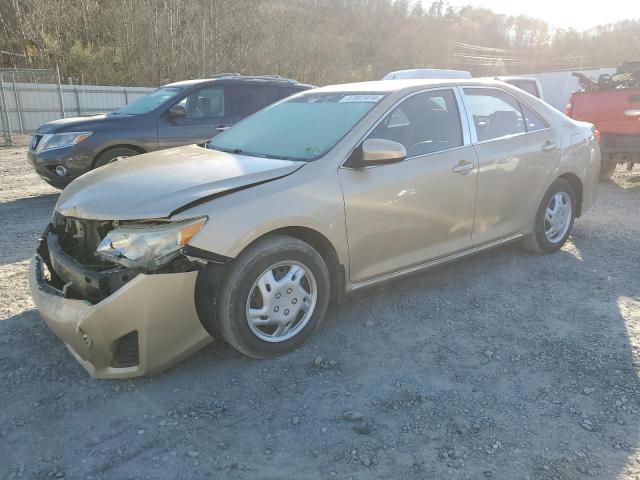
[554,219]
[113,155]
[273,297]
[607,170]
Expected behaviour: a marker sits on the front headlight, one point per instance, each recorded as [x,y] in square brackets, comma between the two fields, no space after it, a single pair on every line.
[147,246]
[60,140]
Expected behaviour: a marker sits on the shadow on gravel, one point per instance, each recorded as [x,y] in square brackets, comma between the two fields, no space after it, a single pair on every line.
[505,365]
[21,222]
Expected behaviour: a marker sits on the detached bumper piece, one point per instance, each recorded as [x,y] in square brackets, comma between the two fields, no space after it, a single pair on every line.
[116,327]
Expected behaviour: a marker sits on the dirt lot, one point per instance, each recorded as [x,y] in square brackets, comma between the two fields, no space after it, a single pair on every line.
[505,365]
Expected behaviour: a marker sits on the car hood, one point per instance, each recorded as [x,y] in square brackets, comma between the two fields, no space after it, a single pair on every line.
[154,185]
[74,123]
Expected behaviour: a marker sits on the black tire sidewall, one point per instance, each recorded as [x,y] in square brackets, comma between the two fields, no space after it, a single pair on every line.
[105,157]
[231,315]
[607,169]
[560,185]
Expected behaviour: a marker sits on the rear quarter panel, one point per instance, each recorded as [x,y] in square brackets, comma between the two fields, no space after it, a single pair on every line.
[581,157]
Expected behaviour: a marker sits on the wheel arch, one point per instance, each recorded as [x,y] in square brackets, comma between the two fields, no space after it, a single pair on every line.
[137,148]
[326,250]
[214,275]
[577,186]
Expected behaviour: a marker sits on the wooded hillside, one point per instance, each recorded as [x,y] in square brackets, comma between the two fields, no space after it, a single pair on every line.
[150,42]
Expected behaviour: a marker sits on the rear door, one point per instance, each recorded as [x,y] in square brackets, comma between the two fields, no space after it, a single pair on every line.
[407,213]
[517,152]
[207,114]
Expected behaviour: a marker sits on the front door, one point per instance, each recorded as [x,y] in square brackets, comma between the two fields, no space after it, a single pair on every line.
[405,214]
[207,115]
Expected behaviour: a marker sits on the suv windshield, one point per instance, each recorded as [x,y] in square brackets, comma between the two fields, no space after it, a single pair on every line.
[149,102]
[303,127]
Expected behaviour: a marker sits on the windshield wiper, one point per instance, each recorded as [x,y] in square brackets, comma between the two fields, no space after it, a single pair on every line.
[239,151]
[225,150]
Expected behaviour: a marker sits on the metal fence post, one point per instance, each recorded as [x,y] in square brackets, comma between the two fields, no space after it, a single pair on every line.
[6,126]
[126,96]
[60,98]
[16,94]
[75,90]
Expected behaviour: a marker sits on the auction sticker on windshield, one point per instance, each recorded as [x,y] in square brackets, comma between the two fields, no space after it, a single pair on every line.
[360,98]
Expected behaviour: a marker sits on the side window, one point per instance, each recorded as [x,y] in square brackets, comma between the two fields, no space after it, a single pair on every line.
[532,120]
[495,113]
[283,92]
[424,123]
[248,99]
[205,103]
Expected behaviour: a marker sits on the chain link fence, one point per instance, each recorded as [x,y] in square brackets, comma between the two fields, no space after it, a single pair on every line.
[31,97]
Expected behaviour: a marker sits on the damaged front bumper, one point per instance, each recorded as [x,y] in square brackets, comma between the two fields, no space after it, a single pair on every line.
[145,325]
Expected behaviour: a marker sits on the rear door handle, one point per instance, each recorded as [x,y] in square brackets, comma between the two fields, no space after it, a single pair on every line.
[463,167]
[222,128]
[549,147]
[634,112]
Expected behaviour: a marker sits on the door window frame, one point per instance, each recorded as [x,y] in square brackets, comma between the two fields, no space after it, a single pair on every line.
[463,116]
[472,124]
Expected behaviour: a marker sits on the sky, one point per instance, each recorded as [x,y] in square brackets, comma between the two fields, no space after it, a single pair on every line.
[577,14]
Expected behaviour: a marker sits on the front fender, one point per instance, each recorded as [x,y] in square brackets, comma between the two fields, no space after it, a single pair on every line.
[310,198]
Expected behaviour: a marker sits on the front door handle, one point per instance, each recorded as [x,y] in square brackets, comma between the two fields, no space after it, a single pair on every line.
[463,167]
[548,147]
[222,128]
[634,112]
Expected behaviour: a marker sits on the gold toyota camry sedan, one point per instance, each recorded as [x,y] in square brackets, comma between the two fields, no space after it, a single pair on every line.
[335,189]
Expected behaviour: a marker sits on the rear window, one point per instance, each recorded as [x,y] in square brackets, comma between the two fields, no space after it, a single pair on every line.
[249,98]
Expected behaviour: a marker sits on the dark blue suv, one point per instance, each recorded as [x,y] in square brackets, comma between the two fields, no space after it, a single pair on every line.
[177,114]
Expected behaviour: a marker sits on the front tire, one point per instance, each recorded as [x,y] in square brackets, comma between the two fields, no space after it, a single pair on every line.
[113,155]
[273,297]
[554,219]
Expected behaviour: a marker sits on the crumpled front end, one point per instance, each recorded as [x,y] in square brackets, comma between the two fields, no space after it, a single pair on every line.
[117,322]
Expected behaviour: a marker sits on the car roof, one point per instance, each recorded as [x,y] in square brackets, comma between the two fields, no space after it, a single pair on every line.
[388,86]
[426,73]
[235,77]
[515,77]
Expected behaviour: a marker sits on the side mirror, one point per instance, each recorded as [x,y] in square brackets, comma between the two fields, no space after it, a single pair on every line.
[177,111]
[378,150]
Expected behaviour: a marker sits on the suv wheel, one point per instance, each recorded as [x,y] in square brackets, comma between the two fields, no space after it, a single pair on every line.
[554,219]
[113,155]
[273,297]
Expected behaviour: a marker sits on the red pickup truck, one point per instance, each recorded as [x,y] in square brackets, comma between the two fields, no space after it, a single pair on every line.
[612,104]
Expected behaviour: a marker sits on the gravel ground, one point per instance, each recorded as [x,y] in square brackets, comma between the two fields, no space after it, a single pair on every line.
[505,365]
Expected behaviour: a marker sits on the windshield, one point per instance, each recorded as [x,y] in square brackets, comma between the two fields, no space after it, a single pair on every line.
[303,127]
[149,102]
